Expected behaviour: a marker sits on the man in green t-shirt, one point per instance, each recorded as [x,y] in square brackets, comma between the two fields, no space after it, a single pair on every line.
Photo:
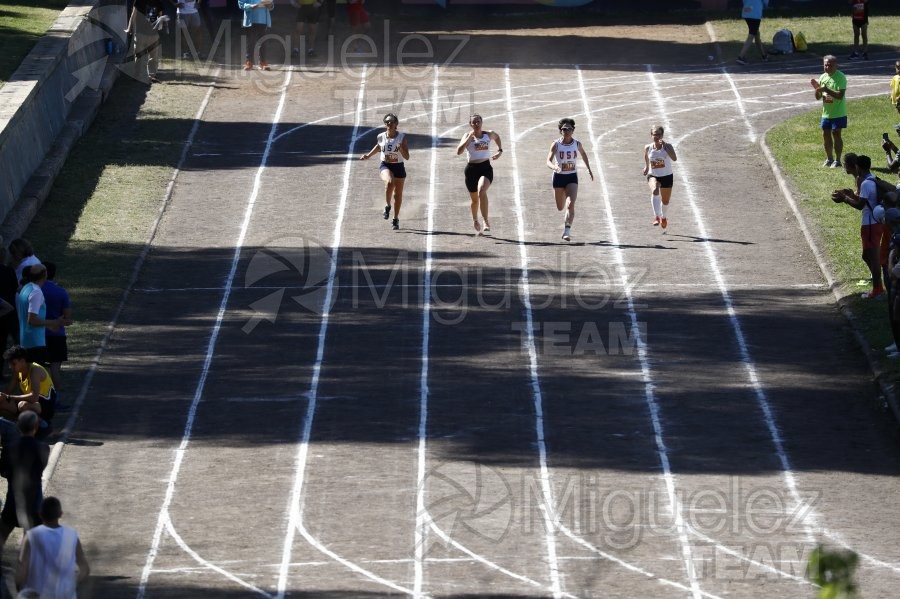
[831,87]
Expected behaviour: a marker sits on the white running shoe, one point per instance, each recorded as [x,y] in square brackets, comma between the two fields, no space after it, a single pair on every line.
[567,234]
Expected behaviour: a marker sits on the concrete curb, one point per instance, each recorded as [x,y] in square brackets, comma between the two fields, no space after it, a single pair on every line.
[885,387]
[37,188]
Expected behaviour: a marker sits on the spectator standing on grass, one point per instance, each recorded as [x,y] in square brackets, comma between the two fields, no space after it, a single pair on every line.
[146,42]
[50,555]
[21,255]
[831,88]
[308,12]
[24,491]
[58,307]
[563,161]
[859,14]
[358,17]
[257,21]
[865,200]
[31,307]
[479,172]
[329,10]
[394,152]
[752,13]
[190,25]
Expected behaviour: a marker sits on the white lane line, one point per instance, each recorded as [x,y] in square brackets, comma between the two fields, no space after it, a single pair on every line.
[170,528]
[421,532]
[546,506]
[297,496]
[210,350]
[742,109]
[58,447]
[746,359]
[478,558]
[646,375]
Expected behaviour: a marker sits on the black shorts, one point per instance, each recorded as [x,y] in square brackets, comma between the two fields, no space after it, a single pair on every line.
[665,181]
[57,348]
[398,169]
[752,26]
[308,13]
[564,179]
[475,171]
[37,354]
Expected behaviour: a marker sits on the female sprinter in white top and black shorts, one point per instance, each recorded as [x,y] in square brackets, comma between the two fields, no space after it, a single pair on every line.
[658,159]
[479,172]
[394,150]
[563,161]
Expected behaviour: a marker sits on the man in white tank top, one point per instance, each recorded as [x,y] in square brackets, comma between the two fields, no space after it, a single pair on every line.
[49,556]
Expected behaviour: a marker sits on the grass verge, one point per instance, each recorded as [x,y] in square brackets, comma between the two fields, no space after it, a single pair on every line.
[21,25]
[97,218]
[824,34]
[797,145]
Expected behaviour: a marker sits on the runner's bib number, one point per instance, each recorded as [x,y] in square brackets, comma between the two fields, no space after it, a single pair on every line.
[567,167]
[657,164]
[391,157]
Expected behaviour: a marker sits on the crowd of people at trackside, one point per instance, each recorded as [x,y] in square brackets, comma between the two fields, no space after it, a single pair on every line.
[148,19]
[874,197]
[34,312]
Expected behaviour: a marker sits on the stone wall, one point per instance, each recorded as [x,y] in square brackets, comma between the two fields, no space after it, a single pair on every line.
[50,101]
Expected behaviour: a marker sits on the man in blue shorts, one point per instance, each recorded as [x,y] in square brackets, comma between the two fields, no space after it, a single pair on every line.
[831,88]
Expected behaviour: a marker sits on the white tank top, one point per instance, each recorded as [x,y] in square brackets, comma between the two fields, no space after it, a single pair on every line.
[479,149]
[567,156]
[390,148]
[660,163]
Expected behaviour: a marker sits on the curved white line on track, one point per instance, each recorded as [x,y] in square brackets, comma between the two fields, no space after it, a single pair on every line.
[550,519]
[759,392]
[478,558]
[170,528]
[646,376]
[210,350]
[297,496]
[58,447]
[421,533]
[630,567]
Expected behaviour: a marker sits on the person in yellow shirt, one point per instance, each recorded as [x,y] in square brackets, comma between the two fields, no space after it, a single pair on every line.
[36,390]
[895,86]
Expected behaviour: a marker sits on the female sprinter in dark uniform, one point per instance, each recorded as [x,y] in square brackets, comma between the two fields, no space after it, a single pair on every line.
[394,151]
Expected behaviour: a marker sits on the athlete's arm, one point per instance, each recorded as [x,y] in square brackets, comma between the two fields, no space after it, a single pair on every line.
[670,150]
[404,149]
[371,152]
[553,166]
[462,142]
[493,135]
[647,159]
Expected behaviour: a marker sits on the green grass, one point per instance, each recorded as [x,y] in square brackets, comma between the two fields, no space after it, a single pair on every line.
[824,35]
[797,145]
[97,218]
[21,25]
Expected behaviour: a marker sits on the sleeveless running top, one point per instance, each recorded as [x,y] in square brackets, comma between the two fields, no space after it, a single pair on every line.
[390,148]
[479,149]
[46,384]
[567,156]
[660,163]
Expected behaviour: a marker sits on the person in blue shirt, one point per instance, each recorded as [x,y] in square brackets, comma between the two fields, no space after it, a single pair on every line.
[752,14]
[257,19]
[56,299]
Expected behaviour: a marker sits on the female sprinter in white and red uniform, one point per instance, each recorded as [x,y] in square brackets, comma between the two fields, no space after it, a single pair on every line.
[394,151]
[563,161]
[658,159]
[479,172]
